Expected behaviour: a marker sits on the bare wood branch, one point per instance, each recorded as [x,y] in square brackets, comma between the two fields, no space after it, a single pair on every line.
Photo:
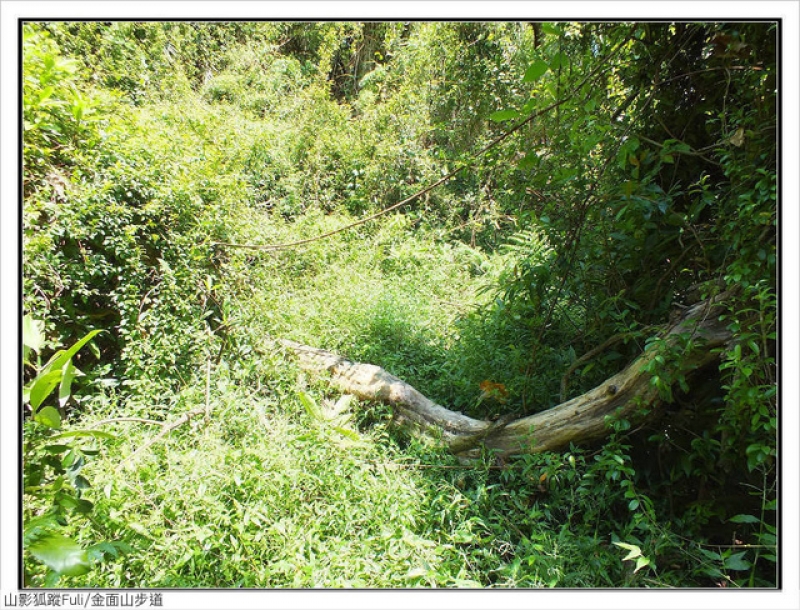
[589,355]
[140,420]
[166,428]
[578,420]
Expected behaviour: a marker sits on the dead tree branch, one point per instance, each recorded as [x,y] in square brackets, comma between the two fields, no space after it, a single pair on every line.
[628,394]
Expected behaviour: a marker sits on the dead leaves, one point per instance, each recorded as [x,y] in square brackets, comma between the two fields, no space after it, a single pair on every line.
[491,390]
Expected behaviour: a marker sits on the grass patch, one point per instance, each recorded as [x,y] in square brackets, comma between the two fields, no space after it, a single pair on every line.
[263,495]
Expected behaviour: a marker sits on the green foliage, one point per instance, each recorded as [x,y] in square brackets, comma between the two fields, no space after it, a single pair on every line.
[53,462]
[646,179]
[660,216]
[115,229]
[634,552]
[60,118]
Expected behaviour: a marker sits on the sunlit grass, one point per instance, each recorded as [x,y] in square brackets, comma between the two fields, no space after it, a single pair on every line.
[262,495]
[267,500]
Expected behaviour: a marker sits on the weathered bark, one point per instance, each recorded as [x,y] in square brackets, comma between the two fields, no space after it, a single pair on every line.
[628,394]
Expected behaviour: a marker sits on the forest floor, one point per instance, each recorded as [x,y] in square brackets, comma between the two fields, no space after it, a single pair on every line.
[263,494]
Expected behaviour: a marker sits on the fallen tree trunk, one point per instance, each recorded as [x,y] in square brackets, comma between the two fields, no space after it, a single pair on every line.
[629,394]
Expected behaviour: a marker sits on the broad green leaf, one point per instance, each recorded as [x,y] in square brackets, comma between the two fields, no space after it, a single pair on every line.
[528,106]
[713,573]
[48,416]
[535,71]
[32,334]
[62,555]
[551,28]
[45,93]
[528,161]
[37,527]
[59,359]
[560,60]
[503,115]
[55,448]
[743,519]
[640,563]
[712,555]
[81,482]
[96,551]
[123,547]
[114,549]
[65,387]
[737,562]
[51,579]
[83,507]
[42,386]
[66,500]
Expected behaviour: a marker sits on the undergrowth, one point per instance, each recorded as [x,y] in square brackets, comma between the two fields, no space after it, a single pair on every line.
[262,495]
[198,136]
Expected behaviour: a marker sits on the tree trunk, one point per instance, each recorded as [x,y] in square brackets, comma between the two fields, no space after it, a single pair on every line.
[629,394]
